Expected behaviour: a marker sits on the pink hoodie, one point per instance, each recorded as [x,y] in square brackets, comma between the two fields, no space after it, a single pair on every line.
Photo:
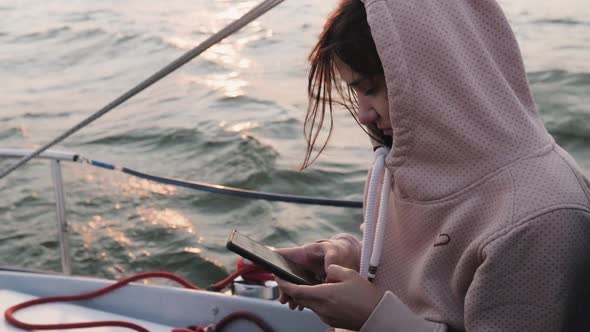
[488,219]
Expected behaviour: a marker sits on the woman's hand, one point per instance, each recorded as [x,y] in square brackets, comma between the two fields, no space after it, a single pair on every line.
[316,257]
[346,300]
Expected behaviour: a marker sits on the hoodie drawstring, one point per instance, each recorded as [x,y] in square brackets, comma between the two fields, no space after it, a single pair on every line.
[373,234]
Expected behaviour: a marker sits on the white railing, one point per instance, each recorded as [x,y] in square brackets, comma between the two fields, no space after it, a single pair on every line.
[55,157]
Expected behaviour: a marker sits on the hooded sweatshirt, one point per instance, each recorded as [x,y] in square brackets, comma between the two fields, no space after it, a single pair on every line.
[487,219]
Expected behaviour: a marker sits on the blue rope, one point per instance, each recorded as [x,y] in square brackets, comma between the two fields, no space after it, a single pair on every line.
[102,165]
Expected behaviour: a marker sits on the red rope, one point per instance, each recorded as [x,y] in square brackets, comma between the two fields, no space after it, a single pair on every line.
[243,269]
[248,271]
[242,315]
[9,313]
[228,320]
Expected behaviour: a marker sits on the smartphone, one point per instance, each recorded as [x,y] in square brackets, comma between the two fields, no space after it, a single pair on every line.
[274,262]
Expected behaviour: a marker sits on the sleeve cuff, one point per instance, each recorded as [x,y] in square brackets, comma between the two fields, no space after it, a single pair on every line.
[393,315]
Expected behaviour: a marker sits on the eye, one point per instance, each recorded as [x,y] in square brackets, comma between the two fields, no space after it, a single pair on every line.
[370,91]
[371,88]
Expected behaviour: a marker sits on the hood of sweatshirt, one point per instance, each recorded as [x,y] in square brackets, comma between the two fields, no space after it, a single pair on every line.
[459,99]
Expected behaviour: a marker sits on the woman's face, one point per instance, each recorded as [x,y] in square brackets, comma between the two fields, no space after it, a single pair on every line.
[372,97]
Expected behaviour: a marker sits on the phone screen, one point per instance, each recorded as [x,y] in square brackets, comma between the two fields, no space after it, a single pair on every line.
[274,262]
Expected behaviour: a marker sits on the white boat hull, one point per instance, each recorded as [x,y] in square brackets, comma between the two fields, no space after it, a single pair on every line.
[157,308]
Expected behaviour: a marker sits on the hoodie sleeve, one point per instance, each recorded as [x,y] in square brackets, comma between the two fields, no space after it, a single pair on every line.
[534,276]
[392,315]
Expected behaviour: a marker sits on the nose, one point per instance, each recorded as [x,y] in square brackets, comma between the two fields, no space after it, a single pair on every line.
[366,112]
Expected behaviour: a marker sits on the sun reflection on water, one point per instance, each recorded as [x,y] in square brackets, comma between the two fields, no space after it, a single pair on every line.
[239,127]
[98,228]
[167,218]
[230,84]
[192,250]
[144,188]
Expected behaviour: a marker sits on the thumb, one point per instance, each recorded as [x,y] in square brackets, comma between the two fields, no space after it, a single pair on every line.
[330,258]
[337,273]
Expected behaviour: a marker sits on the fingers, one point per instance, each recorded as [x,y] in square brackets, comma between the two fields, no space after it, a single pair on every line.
[295,306]
[331,257]
[284,298]
[310,256]
[299,294]
[336,273]
[295,254]
[286,287]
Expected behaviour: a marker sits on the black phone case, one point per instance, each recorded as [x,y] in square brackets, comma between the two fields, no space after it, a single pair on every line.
[287,276]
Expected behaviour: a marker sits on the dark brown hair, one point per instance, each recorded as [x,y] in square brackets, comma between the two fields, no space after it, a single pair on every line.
[346,35]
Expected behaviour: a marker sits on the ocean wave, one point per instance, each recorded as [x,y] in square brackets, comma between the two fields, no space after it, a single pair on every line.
[85,34]
[30,115]
[571,127]
[173,43]
[560,76]
[126,38]
[245,162]
[15,237]
[42,35]
[146,136]
[562,99]
[560,21]
[206,137]
[12,132]
[244,100]
[89,15]
[181,44]
[30,200]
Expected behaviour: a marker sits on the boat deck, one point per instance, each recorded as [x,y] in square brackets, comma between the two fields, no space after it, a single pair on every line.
[158,308]
[65,313]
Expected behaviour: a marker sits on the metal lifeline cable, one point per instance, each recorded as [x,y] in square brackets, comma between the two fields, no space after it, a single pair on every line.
[193,185]
[236,25]
[225,190]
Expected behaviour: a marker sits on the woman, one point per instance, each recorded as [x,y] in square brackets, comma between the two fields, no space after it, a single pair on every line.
[481,219]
